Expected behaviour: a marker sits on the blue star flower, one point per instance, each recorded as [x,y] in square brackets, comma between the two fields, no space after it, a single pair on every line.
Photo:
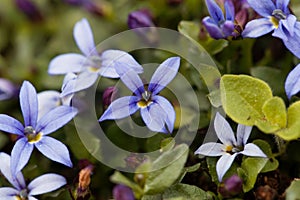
[35,132]
[217,25]
[92,64]
[156,111]
[277,17]
[231,146]
[40,185]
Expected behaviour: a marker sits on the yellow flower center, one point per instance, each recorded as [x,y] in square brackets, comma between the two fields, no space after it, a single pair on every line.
[274,21]
[229,148]
[146,100]
[31,134]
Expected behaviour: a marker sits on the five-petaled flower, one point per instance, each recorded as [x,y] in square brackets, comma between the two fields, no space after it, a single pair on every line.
[156,111]
[40,185]
[276,16]
[231,146]
[217,25]
[92,64]
[34,133]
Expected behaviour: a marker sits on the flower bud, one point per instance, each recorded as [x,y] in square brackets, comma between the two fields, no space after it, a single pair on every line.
[109,95]
[7,89]
[29,9]
[122,192]
[139,19]
[231,186]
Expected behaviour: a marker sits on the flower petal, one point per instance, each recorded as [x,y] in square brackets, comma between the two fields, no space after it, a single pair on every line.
[227,28]
[66,63]
[29,104]
[55,119]
[20,155]
[48,100]
[11,125]
[224,164]
[212,28]
[293,42]
[292,82]
[262,7]
[121,108]
[224,131]
[84,38]
[164,74]
[154,117]
[229,9]
[130,78]
[253,150]
[243,133]
[46,183]
[8,193]
[283,5]
[168,109]
[54,150]
[257,27]
[18,181]
[83,81]
[211,149]
[215,11]
[109,58]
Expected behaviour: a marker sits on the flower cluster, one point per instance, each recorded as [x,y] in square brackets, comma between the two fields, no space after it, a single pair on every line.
[47,111]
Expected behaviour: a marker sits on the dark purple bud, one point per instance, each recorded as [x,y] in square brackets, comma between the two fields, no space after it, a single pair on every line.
[7,89]
[139,19]
[231,186]
[93,7]
[29,9]
[109,95]
[122,192]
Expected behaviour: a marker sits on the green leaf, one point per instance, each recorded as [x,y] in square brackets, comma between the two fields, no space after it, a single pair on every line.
[293,123]
[293,192]
[215,98]
[251,168]
[119,178]
[166,169]
[167,144]
[184,191]
[189,29]
[272,162]
[275,115]
[243,98]
[211,163]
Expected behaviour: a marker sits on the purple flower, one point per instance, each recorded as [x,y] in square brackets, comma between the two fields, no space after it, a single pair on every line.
[156,111]
[122,192]
[92,64]
[275,17]
[217,25]
[35,132]
[40,185]
[230,147]
[51,99]
[292,82]
[7,89]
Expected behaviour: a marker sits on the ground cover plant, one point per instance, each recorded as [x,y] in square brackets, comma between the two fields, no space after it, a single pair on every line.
[149,100]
